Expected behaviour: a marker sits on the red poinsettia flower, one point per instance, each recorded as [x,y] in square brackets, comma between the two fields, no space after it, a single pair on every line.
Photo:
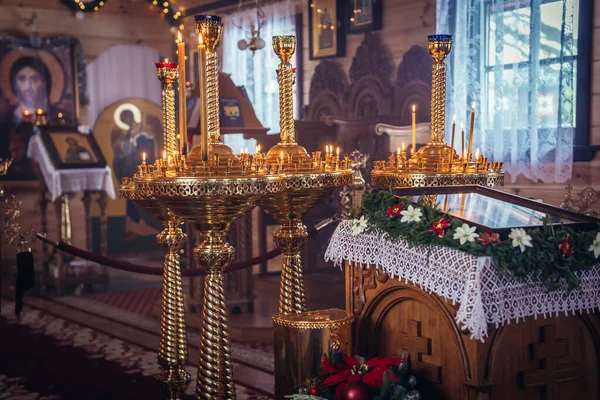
[394,210]
[489,238]
[439,227]
[566,245]
[370,373]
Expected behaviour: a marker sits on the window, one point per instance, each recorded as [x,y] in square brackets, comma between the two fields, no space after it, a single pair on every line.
[512,58]
[526,65]
[256,72]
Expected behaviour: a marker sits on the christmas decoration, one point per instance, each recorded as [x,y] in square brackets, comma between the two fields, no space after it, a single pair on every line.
[550,253]
[386,378]
[355,391]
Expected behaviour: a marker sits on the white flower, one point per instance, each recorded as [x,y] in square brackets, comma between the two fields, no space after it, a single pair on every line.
[359,225]
[595,246]
[520,238]
[465,234]
[411,214]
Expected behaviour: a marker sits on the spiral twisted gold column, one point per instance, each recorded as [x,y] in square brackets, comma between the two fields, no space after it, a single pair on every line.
[215,372]
[172,354]
[439,48]
[285,46]
[212,85]
[168,76]
[291,237]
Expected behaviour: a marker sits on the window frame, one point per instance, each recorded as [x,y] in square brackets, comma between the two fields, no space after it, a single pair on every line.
[583,150]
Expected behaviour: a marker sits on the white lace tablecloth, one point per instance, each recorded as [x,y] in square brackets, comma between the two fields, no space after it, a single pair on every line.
[61,181]
[485,298]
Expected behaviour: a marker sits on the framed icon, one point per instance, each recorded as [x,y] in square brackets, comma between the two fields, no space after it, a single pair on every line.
[70,149]
[363,15]
[326,32]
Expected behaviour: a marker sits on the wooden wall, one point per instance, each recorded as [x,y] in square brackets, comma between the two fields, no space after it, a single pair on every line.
[405,23]
[595,106]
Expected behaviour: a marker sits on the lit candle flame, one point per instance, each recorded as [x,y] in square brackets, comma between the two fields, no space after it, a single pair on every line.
[40,111]
[169,160]
[477,154]
[179,38]
[403,146]
[454,118]
[414,108]
[144,156]
[473,105]
[26,112]
[166,60]
[60,115]
[164,154]
[337,151]
[398,150]
[258,148]
[462,126]
[281,155]
[200,40]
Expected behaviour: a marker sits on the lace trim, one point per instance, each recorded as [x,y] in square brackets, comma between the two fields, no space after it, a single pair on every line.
[485,298]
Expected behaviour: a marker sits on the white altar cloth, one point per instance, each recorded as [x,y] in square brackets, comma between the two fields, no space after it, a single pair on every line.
[484,296]
[61,181]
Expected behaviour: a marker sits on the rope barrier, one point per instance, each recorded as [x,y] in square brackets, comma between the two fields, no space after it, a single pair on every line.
[146,270]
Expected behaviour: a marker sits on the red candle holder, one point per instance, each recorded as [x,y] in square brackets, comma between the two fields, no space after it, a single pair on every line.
[166,64]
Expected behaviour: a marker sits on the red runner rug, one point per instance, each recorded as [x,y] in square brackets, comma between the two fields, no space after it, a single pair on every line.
[139,301]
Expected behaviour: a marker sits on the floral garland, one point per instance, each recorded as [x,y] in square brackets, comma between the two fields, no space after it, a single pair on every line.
[552,254]
[380,378]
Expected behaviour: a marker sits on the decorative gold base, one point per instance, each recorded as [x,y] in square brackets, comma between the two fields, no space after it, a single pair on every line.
[215,372]
[409,179]
[301,193]
[174,381]
[302,340]
[172,353]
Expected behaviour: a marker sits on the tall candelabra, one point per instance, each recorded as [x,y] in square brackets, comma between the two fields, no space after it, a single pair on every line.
[437,164]
[307,179]
[211,187]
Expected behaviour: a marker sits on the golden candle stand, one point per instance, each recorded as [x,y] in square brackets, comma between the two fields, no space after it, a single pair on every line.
[211,187]
[437,164]
[306,179]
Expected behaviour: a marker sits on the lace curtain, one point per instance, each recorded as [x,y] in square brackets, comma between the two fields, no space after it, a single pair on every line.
[517,61]
[256,72]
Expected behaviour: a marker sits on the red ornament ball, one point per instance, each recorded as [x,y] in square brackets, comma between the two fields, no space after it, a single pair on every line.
[355,391]
[313,391]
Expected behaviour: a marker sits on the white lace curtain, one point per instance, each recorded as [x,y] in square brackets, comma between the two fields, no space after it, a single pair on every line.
[517,61]
[257,72]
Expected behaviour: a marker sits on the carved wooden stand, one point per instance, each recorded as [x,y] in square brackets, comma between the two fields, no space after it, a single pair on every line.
[542,359]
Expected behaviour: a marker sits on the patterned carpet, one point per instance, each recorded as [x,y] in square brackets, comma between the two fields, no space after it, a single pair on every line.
[46,357]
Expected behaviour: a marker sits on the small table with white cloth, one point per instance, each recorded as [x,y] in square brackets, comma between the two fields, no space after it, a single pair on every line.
[62,185]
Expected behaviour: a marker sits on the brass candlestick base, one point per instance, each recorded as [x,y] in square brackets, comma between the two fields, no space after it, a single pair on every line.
[212,202]
[302,191]
[174,381]
[215,375]
[172,354]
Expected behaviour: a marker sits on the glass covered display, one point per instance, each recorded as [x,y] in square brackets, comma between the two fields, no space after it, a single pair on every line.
[497,211]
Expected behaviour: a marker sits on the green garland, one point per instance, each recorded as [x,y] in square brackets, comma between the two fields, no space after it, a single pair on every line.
[552,254]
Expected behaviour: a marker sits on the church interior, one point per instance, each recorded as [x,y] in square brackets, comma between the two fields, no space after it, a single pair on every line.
[299,199]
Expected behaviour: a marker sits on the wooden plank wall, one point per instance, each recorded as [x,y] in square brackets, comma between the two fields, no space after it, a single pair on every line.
[405,23]
[595,104]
